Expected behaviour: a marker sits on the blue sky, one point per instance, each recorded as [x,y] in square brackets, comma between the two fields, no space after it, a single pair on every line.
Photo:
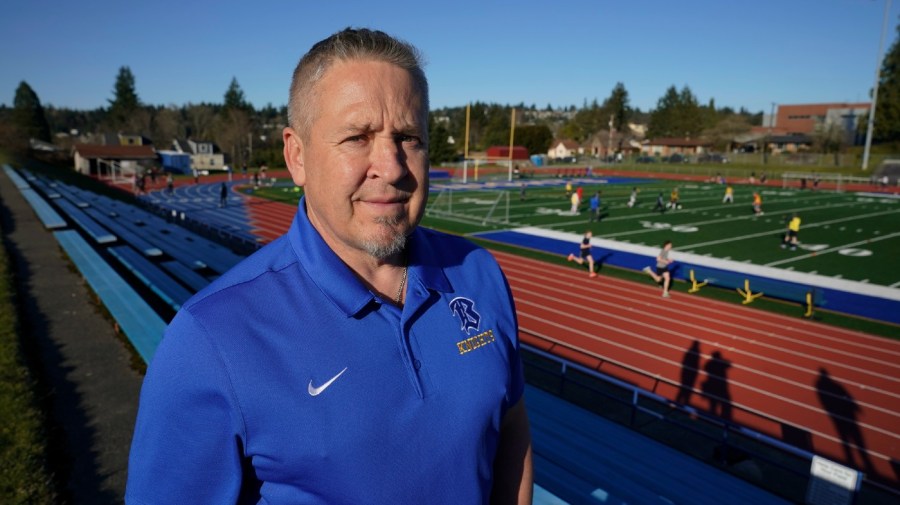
[742,54]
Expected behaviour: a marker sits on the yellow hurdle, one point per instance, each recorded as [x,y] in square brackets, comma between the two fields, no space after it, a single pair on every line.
[748,295]
[695,286]
[809,305]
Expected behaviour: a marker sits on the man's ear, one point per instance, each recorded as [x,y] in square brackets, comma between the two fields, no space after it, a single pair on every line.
[293,155]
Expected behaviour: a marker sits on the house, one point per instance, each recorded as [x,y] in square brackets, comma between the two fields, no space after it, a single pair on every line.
[604,145]
[777,144]
[110,161]
[562,149]
[669,146]
[205,155]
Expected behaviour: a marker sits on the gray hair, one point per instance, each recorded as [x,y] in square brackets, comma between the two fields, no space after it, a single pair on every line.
[345,45]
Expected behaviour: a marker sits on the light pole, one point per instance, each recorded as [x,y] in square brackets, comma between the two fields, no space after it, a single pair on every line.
[871,122]
[768,135]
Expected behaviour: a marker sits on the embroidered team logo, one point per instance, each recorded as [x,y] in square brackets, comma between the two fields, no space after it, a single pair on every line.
[464,309]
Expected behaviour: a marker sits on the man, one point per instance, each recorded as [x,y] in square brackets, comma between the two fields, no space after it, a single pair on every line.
[357,358]
[757,204]
[223,195]
[662,274]
[793,230]
[594,203]
[660,206]
[575,201]
[673,199]
[632,200]
[585,255]
[729,194]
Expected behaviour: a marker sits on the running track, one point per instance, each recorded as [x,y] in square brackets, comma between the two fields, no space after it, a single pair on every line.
[832,391]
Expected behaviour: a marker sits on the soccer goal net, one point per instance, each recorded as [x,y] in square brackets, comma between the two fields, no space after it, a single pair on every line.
[482,207]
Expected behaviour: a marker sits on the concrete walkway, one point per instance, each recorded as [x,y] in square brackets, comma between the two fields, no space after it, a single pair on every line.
[92,392]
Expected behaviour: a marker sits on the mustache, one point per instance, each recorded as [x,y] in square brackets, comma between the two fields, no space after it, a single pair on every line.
[390,195]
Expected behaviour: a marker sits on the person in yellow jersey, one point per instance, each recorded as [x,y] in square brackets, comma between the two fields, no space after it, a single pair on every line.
[793,230]
[729,194]
[673,199]
[757,204]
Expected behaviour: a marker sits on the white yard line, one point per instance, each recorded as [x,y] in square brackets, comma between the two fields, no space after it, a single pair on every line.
[814,225]
[832,249]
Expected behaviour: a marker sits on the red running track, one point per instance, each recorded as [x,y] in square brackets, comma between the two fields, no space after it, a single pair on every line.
[829,390]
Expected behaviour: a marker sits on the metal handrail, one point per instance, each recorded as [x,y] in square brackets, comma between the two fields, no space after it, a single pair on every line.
[727,428]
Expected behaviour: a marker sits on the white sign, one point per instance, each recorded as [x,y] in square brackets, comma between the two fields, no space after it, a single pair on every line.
[831,483]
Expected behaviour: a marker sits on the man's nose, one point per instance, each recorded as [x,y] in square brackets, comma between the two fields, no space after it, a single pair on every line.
[389,160]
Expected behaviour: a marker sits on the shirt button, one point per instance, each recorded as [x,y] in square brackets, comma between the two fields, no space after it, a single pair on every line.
[417,364]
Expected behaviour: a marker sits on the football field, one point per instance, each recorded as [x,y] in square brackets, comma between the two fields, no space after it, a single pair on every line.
[852,236]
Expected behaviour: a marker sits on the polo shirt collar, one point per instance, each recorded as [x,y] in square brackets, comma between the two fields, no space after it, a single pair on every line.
[335,279]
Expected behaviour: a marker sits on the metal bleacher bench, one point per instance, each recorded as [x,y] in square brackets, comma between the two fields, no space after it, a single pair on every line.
[95,230]
[152,276]
[48,216]
[583,458]
[140,323]
[750,287]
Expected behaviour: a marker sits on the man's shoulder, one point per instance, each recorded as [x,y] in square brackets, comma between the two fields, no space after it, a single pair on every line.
[443,243]
[446,249]
[250,275]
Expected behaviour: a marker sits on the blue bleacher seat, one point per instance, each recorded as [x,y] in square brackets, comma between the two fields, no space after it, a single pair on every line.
[140,323]
[124,232]
[94,229]
[194,280]
[16,179]
[583,458]
[155,278]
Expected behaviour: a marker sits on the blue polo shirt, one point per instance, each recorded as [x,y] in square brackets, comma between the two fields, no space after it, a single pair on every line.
[288,381]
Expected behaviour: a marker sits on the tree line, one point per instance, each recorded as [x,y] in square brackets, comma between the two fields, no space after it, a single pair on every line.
[253,136]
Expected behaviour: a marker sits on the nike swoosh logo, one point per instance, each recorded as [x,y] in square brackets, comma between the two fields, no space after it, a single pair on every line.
[316,391]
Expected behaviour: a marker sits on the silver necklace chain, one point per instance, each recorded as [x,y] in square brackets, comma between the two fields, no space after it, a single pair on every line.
[402,285]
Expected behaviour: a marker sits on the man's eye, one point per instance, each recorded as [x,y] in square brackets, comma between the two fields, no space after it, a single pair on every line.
[409,139]
[356,139]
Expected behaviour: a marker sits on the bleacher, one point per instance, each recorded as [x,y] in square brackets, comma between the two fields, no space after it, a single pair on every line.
[135,261]
[582,458]
[140,323]
[49,217]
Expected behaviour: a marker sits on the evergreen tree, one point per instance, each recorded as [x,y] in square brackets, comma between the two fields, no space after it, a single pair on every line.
[234,96]
[235,132]
[617,106]
[439,149]
[28,115]
[677,115]
[535,138]
[125,102]
[663,122]
[887,109]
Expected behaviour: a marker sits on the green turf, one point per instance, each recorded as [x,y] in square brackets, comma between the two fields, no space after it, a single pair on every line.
[842,234]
